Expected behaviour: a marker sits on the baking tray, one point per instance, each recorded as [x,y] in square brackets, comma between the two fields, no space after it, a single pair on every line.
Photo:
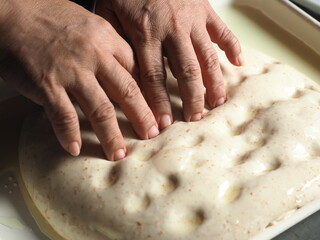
[292,17]
[254,30]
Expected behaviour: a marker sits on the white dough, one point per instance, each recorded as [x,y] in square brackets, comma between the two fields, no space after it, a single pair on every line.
[228,176]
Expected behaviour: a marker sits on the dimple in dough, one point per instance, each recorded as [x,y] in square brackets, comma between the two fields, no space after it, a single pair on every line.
[228,176]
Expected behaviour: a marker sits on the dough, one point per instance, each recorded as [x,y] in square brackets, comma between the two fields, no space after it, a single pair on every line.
[229,176]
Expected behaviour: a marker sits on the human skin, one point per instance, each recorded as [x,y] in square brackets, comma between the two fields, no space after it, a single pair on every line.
[54,51]
[51,51]
[183,31]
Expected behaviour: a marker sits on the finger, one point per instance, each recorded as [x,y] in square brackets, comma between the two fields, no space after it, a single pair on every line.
[120,85]
[153,79]
[64,120]
[124,54]
[225,39]
[210,68]
[185,67]
[100,112]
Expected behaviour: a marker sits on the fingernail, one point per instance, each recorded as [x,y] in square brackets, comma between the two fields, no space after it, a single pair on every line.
[220,101]
[240,60]
[153,132]
[119,154]
[74,149]
[196,117]
[165,121]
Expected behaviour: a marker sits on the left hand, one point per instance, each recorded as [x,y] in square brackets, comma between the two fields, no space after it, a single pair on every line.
[182,30]
[52,51]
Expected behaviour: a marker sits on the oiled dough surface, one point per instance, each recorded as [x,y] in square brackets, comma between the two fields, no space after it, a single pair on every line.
[228,176]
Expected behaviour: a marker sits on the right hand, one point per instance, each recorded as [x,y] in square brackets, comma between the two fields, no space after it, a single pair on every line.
[51,50]
[183,31]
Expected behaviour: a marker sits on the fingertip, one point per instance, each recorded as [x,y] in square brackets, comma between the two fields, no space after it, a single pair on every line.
[196,117]
[74,148]
[153,132]
[220,101]
[165,121]
[119,154]
[215,96]
[240,60]
[115,149]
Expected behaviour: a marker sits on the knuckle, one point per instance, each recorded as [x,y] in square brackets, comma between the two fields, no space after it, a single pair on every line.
[155,88]
[144,27]
[99,21]
[114,139]
[196,100]
[227,38]
[154,76]
[104,28]
[46,82]
[47,89]
[161,98]
[129,91]
[103,113]
[145,117]
[218,86]
[67,121]
[190,72]
[211,61]
[225,34]
[175,23]
[233,43]
[147,31]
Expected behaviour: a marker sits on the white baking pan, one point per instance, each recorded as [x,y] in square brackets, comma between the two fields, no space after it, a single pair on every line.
[292,18]
[15,220]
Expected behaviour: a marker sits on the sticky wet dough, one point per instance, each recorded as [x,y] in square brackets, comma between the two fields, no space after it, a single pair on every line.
[242,168]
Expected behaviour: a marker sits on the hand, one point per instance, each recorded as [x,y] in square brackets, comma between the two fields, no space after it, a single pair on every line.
[53,50]
[182,30]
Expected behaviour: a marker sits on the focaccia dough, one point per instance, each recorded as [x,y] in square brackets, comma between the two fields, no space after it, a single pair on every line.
[229,176]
